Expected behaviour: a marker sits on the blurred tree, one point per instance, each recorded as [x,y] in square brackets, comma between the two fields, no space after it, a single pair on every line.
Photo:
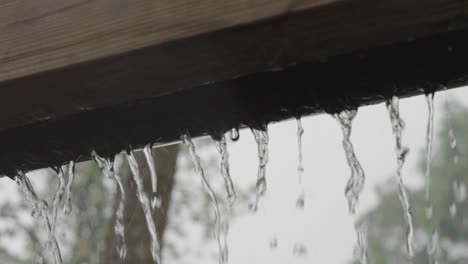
[386,224]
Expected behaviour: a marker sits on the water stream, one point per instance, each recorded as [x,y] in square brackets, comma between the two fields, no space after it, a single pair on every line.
[261,137]
[187,140]
[67,207]
[145,204]
[401,152]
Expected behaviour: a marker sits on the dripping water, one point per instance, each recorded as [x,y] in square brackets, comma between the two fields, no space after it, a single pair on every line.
[67,208]
[187,140]
[221,145]
[360,252]
[433,246]
[57,198]
[147,150]
[234,134]
[458,185]
[39,209]
[299,250]
[145,204]
[106,165]
[119,227]
[300,167]
[355,184]
[274,242]
[429,136]
[401,152]
[261,137]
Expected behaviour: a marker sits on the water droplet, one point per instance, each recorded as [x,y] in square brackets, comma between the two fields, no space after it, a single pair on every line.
[299,250]
[274,243]
[234,134]
[453,209]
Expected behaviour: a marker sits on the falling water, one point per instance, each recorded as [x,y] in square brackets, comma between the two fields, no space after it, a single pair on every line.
[67,208]
[261,137]
[119,227]
[355,184]
[361,243]
[214,202]
[401,152]
[39,208]
[147,150]
[234,134]
[57,198]
[222,149]
[433,246]
[429,135]
[145,203]
[231,193]
[106,165]
[300,167]
[458,186]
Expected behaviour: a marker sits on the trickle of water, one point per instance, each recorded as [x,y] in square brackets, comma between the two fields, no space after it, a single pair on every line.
[234,134]
[355,184]
[106,165]
[119,227]
[299,250]
[147,150]
[401,152]
[39,208]
[357,179]
[429,136]
[67,207]
[57,198]
[221,145]
[145,204]
[300,167]
[187,140]
[261,137]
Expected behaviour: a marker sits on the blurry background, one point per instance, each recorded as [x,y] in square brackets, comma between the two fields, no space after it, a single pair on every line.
[279,232]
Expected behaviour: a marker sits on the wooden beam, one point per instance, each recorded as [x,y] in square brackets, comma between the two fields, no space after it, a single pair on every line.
[345,81]
[58,58]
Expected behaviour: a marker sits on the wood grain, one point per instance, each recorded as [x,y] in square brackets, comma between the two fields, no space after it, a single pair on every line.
[62,57]
[36,36]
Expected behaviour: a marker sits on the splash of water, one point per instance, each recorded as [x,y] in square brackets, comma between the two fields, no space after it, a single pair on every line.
[401,152]
[261,137]
[106,165]
[119,227]
[147,150]
[145,204]
[39,209]
[221,145]
[187,140]
[234,134]
[300,167]
[57,198]
[67,207]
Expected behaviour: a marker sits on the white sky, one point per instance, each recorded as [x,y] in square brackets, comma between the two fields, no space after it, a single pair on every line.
[324,226]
